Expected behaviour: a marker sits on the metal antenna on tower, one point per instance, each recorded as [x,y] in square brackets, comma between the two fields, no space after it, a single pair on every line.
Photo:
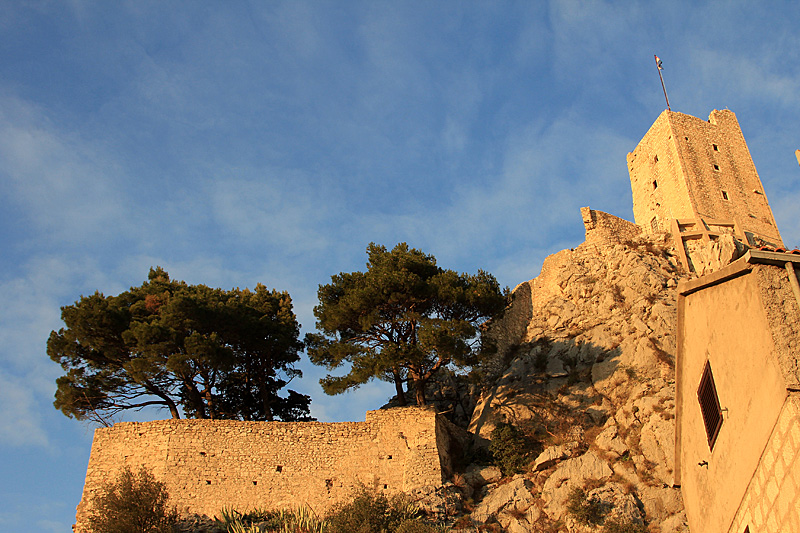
[660,67]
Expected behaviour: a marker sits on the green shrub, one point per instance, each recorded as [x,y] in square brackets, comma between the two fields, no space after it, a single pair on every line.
[510,449]
[587,511]
[370,512]
[133,503]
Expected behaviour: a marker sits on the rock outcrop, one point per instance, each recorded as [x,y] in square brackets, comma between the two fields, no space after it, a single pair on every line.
[586,365]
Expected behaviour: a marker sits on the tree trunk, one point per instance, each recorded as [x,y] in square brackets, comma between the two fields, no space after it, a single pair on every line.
[266,403]
[173,409]
[209,399]
[196,399]
[419,392]
[398,387]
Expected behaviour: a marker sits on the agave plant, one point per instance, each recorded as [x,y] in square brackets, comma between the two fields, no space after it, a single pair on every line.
[299,520]
[235,522]
[302,520]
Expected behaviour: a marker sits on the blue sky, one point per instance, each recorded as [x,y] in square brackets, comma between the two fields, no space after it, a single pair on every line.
[242,142]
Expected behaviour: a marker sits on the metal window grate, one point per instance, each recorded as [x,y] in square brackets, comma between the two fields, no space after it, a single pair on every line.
[709,405]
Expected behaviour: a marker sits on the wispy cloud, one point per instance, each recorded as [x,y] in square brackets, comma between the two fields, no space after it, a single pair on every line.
[760,77]
[20,419]
[282,210]
[62,186]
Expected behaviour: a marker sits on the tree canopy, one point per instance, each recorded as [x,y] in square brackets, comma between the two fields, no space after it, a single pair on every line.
[401,320]
[211,352]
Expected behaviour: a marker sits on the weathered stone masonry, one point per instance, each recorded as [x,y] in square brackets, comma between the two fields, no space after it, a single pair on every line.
[211,464]
[688,168]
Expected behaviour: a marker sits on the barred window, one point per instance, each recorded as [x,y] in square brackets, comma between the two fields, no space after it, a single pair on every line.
[709,405]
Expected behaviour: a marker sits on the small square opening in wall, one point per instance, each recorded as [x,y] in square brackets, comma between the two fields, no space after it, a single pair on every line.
[208,482]
[386,486]
[279,469]
[724,195]
[716,167]
[716,148]
[388,456]
[255,483]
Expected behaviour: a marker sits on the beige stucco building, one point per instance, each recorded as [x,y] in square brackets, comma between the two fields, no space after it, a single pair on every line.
[738,396]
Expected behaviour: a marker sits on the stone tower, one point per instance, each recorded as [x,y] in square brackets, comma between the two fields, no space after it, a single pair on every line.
[696,179]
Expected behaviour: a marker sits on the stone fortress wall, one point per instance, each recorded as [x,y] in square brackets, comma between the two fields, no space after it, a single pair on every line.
[211,464]
[603,229]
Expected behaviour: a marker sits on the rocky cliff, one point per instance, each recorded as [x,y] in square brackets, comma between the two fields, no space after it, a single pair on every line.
[586,367]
